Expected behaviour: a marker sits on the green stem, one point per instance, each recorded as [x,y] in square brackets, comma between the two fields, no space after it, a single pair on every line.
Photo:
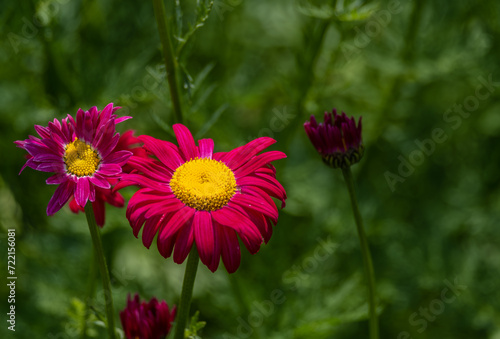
[187,293]
[90,293]
[168,55]
[365,249]
[106,285]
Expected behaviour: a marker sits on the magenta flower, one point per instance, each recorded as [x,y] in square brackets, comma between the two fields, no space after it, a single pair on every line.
[80,152]
[126,142]
[192,195]
[337,139]
[143,320]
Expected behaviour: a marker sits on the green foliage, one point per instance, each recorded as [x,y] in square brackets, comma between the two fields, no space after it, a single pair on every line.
[255,68]
[194,327]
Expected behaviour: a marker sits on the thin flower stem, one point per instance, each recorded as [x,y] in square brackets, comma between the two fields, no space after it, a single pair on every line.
[99,253]
[90,293]
[168,55]
[365,249]
[187,293]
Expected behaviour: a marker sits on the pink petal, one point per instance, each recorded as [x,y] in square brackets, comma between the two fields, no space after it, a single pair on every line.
[82,191]
[164,206]
[257,162]
[239,156]
[178,220]
[109,169]
[206,148]
[99,181]
[99,210]
[165,151]
[232,218]
[186,142]
[60,197]
[57,179]
[204,236]
[270,185]
[149,231]
[231,255]
[122,119]
[119,158]
[183,243]
[258,204]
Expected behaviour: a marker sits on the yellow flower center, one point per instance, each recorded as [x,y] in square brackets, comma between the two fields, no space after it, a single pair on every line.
[80,158]
[204,184]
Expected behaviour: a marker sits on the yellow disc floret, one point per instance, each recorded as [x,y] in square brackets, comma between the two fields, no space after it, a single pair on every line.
[204,184]
[80,159]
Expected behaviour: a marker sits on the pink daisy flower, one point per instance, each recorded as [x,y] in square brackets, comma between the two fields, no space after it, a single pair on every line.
[191,195]
[80,152]
[143,320]
[127,142]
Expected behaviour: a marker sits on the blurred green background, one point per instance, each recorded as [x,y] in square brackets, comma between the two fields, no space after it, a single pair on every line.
[258,68]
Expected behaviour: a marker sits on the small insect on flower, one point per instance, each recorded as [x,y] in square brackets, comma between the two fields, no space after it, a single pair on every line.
[190,195]
[337,139]
[80,152]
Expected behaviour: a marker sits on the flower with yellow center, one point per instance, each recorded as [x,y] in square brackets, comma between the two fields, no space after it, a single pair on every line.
[82,153]
[204,184]
[190,195]
[80,159]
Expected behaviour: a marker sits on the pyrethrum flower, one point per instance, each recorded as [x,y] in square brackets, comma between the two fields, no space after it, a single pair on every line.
[127,142]
[337,139]
[80,152]
[192,195]
[143,320]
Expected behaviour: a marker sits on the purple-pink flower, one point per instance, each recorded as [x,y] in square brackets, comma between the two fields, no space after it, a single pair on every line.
[144,320]
[127,142]
[80,152]
[337,139]
[190,195]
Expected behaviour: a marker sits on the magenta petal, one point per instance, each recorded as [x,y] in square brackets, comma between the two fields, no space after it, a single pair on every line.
[183,243]
[239,156]
[257,162]
[177,221]
[46,157]
[82,191]
[60,197]
[100,181]
[165,151]
[109,169]
[231,255]
[99,212]
[186,141]
[150,228]
[206,148]
[232,218]
[57,179]
[204,236]
[257,204]
[119,157]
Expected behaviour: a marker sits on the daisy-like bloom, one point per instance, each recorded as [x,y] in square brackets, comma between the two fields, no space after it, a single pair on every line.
[143,320]
[80,152]
[337,139]
[127,142]
[191,195]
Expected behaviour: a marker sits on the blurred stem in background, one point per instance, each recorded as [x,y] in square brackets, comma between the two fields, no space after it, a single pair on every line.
[170,60]
[99,253]
[365,249]
[187,293]
[89,293]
